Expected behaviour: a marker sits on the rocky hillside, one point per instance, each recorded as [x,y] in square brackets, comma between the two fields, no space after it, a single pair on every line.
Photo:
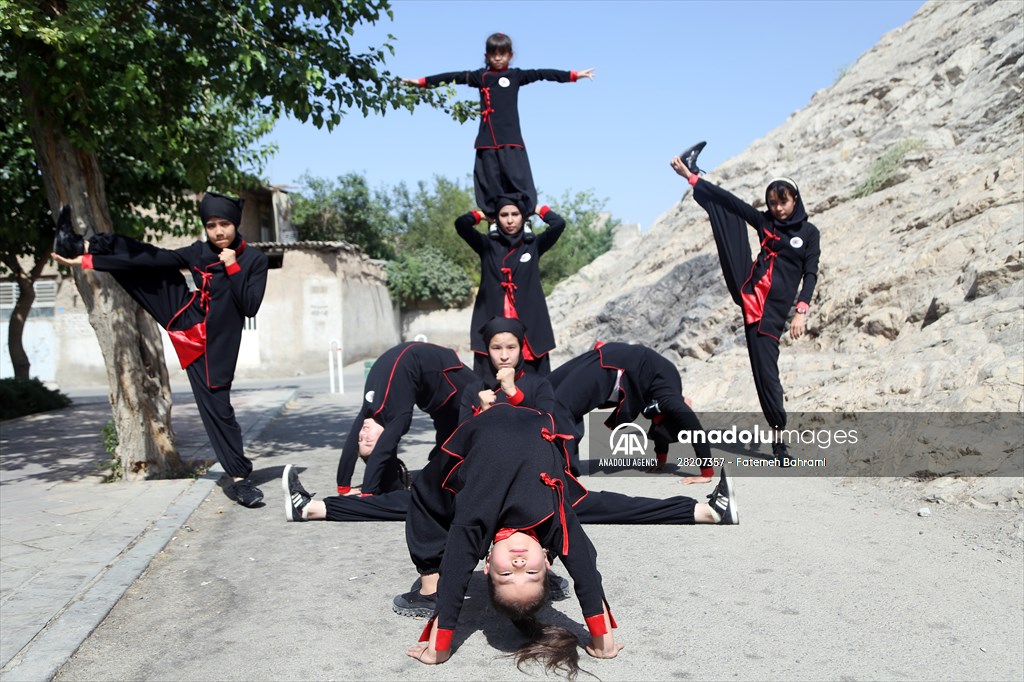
[920,301]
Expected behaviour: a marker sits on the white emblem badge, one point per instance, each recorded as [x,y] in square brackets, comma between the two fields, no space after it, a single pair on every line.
[525,257]
[369,396]
[796,242]
[504,82]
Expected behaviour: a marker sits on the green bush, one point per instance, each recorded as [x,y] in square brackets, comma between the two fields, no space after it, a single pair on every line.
[885,167]
[427,274]
[19,397]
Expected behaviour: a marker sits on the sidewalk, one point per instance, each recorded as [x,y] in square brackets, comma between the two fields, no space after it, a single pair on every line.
[71,544]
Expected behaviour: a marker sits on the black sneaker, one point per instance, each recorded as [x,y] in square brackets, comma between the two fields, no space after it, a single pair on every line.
[67,242]
[723,501]
[295,496]
[528,235]
[246,493]
[651,409]
[689,157]
[781,453]
[558,587]
[403,475]
[492,231]
[415,604]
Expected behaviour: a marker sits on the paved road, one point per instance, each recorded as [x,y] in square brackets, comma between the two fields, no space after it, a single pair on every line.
[823,579]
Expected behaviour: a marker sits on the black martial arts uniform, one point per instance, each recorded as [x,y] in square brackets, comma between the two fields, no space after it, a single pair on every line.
[532,390]
[502,166]
[205,325]
[410,374]
[765,287]
[506,472]
[627,378]
[427,528]
[510,287]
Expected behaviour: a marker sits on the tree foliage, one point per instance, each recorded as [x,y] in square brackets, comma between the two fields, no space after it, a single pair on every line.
[589,232]
[127,104]
[427,274]
[345,210]
[427,220]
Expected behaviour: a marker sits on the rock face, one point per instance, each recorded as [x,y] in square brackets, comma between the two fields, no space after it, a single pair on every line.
[920,298]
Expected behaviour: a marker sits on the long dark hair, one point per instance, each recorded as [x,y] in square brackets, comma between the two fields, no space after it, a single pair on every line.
[554,647]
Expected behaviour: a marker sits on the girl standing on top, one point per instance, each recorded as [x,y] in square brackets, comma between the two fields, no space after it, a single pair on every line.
[502,166]
[765,287]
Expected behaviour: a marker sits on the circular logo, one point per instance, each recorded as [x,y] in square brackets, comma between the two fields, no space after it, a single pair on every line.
[525,258]
[796,242]
[629,440]
[369,396]
[504,82]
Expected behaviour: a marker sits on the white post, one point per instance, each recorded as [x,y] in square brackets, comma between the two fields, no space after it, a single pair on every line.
[334,364]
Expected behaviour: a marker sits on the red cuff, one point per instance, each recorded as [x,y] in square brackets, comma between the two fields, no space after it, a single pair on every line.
[596,625]
[662,457]
[422,82]
[87,261]
[802,307]
[477,216]
[344,489]
[573,76]
[543,211]
[707,472]
[517,397]
[693,179]
[233,268]
[443,641]
[425,635]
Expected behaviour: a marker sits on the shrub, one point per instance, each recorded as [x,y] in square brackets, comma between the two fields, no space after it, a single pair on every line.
[885,167]
[19,397]
[427,274]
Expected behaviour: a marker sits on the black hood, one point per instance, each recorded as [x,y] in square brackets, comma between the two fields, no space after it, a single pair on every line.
[498,325]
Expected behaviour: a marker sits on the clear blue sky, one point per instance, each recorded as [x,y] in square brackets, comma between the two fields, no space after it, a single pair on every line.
[667,74]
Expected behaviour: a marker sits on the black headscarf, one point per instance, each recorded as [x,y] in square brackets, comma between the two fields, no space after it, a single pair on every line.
[216,205]
[510,200]
[799,214]
[498,325]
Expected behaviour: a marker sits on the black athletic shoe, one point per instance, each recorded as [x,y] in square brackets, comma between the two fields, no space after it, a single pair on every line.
[723,501]
[295,496]
[403,475]
[492,231]
[689,157]
[781,453]
[415,604]
[67,243]
[652,408]
[558,587]
[528,235]
[246,493]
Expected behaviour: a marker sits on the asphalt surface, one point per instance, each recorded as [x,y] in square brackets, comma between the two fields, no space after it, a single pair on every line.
[171,580]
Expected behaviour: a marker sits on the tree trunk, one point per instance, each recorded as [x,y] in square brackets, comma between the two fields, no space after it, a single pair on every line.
[16,327]
[129,339]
